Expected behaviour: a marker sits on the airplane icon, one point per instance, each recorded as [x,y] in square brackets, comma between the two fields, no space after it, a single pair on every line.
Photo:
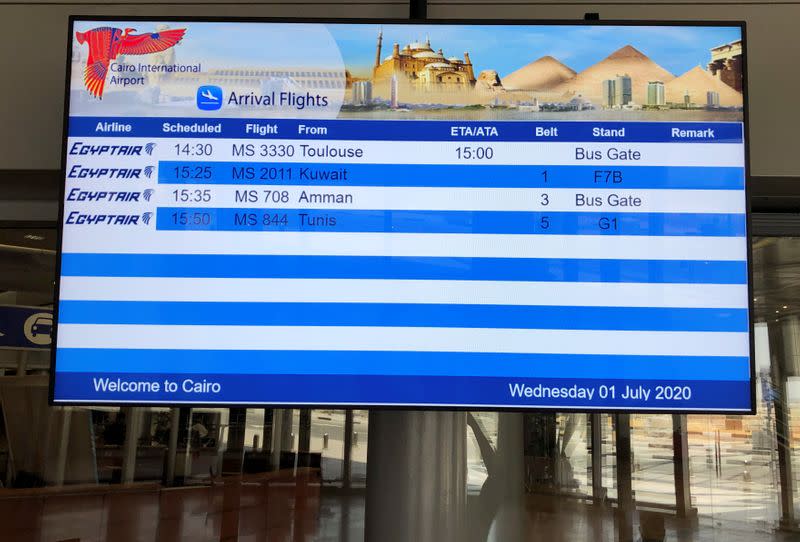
[209,98]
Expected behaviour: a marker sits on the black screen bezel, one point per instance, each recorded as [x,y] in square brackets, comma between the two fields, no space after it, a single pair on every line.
[389,21]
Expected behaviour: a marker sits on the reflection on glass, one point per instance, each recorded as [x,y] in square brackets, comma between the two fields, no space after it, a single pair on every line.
[572,467]
[793,400]
[734,464]
[652,454]
[481,433]
[358,457]
[327,439]
[609,456]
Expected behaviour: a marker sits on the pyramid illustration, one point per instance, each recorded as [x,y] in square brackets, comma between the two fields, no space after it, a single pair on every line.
[625,61]
[542,74]
[697,82]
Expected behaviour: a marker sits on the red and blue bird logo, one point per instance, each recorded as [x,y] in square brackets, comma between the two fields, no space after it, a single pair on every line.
[106,43]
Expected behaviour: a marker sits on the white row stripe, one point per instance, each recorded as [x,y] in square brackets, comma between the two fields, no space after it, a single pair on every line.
[438,199]
[140,240]
[548,341]
[592,294]
[444,152]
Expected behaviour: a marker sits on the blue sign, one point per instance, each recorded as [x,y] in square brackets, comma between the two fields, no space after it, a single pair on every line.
[25,327]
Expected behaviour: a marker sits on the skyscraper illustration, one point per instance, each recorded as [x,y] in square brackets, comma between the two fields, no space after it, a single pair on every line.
[623,94]
[362,93]
[609,91]
[655,93]
[394,97]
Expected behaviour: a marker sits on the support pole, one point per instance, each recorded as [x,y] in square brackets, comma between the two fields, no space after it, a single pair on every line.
[625,505]
[680,464]
[187,455]
[418,9]
[788,517]
[304,431]
[287,440]
[347,456]
[268,427]
[22,364]
[784,347]
[234,452]
[598,492]
[417,477]
[510,523]
[232,483]
[277,435]
[172,447]
[133,418]
[63,446]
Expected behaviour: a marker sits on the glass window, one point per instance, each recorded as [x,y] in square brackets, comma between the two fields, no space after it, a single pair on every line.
[573,467]
[652,456]
[543,460]
[358,455]
[327,439]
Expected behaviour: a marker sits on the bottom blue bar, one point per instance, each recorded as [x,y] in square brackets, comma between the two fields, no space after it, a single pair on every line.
[434,391]
[376,363]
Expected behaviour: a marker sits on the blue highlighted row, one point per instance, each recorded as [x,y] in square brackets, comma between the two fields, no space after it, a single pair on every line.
[439,175]
[465,222]
[402,315]
[408,268]
[476,392]
[305,362]
[408,130]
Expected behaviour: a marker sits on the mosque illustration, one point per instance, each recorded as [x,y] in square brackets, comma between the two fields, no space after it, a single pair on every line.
[421,65]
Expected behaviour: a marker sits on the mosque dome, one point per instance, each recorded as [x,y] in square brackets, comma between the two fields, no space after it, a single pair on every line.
[420,45]
[438,65]
[455,60]
[429,54]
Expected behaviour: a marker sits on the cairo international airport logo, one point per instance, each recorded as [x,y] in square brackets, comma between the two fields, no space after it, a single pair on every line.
[106,43]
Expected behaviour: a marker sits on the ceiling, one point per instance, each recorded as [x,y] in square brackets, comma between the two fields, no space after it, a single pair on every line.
[27,265]
[776,277]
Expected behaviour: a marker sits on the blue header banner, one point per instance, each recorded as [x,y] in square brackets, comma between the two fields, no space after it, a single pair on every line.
[403,130]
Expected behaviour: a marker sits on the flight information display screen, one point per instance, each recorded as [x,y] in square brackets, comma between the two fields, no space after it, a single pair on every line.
[488,216]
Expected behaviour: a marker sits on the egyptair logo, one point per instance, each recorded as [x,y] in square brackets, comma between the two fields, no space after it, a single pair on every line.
[106,43]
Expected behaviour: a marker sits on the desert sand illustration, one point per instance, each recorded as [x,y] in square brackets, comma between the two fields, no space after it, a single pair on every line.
[542,74]
[696,83]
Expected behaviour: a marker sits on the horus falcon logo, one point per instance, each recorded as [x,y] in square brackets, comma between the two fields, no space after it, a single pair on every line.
[106,43]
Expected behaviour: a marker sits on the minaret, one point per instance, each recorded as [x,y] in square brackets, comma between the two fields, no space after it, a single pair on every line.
[378,49]
[468,65]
